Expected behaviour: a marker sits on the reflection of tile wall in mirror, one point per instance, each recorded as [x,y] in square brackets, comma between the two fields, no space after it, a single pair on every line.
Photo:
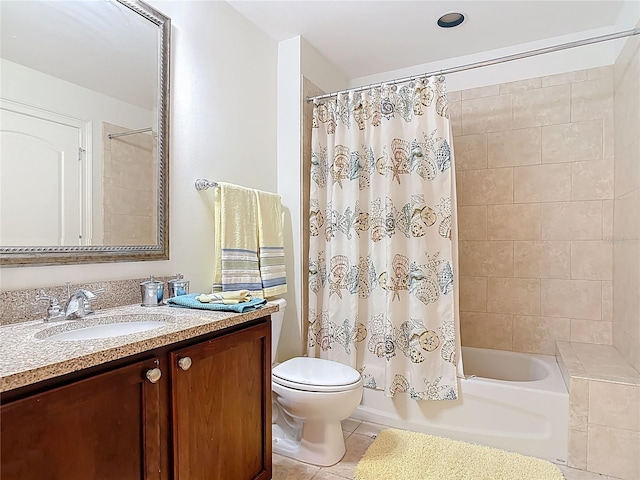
[130,187]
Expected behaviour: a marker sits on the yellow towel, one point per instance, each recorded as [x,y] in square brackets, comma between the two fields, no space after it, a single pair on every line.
[236,241]
[228,298]
[271,244]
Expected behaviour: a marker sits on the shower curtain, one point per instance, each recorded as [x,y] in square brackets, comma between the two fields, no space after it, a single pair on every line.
[382,265]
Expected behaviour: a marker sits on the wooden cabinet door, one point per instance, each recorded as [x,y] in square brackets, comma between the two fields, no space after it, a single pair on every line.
[104,427]
[221,407]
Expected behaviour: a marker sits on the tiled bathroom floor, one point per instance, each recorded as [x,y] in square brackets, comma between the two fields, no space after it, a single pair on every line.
[358,436]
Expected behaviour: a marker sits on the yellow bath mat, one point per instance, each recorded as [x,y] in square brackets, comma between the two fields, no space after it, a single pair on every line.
[400,454]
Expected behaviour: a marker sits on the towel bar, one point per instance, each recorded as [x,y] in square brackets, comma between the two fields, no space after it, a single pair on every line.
[203,184]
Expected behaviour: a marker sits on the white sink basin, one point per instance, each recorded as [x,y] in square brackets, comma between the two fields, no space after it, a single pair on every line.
[107,330]
[105,327]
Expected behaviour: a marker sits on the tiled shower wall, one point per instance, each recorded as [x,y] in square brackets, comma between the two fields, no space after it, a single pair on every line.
[130,185]
[534,163]
[626,238]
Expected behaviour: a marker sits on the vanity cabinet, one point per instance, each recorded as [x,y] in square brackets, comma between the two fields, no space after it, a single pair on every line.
[106,426]
[221,404]
[208,416]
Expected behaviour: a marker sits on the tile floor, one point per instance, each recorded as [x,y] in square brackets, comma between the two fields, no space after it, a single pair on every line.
[358,436]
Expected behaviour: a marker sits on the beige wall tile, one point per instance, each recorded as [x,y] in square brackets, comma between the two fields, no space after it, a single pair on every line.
[489,91]
[455,96]
[592,99]
[455,116]
[472,222]
[577,455]
[483,187]
[608,137]
[603,360]
[488,114]
[514,222]
[124,201]
[627,346]
[482,259]
[592,180]
[539,334]
[542,183]
[570,358]
[132,230]
[626,277]
[613,451]
[572,221]
[580,299]
[473,294]
[513,295]
[600,72]
[514,147]
[626,100]
[591,260]
[626,220]
[627,168]
[591,331]
[544,106]
[578,403]
[563,78]
[607,301]
[542,259]
[486,330]
[607,220]
[520,85]
[470,152]
[572,142]
[614,405]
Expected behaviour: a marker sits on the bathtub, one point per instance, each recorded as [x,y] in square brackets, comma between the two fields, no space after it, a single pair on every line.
[513,401]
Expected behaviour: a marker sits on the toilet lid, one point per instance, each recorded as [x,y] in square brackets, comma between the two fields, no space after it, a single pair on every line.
[316,374]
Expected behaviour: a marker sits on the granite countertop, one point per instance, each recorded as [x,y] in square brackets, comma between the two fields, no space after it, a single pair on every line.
[27,357]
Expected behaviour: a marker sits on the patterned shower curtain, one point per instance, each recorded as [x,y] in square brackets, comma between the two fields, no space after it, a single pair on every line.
[381,259]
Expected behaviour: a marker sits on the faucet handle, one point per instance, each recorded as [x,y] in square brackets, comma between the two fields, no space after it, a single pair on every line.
[54,310]
[89,296]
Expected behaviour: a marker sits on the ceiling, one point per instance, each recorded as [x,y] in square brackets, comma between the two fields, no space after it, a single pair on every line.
[102,46]
[367,37]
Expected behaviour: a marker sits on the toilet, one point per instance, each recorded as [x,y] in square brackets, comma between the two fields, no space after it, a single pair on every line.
[311,396]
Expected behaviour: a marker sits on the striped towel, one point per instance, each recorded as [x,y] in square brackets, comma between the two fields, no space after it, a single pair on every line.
[271,244]
[236,264]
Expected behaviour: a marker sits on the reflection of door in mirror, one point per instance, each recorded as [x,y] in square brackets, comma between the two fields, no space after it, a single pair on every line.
[42,158]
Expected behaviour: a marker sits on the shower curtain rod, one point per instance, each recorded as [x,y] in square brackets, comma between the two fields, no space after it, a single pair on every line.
[130,132]
[486,63]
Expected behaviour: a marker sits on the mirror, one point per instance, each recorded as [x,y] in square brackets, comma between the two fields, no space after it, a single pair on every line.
[84,130]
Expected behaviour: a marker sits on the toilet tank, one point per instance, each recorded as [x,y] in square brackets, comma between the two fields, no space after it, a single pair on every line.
[276,326]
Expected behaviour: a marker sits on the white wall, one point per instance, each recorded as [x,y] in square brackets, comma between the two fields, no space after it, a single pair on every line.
[223,127]
[296,57]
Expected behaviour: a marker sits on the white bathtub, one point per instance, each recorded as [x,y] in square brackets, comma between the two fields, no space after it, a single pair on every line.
[515,401]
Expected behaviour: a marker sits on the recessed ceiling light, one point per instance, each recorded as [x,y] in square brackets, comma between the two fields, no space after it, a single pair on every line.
[450,20]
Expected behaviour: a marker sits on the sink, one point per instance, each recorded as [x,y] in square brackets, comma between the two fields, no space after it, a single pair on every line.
[105,327]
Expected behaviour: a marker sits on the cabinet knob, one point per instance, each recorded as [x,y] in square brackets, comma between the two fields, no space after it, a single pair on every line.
[185,363]
[154,375]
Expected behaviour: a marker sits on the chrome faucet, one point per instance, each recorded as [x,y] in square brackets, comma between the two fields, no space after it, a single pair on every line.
[78,305]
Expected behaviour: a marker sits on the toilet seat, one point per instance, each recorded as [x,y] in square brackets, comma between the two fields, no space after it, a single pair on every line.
[316,375]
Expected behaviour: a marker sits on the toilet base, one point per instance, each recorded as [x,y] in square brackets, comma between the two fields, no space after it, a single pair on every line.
[321,443]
